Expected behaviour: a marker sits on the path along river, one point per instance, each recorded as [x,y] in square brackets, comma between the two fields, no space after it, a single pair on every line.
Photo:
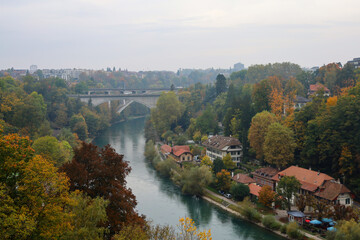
[160,200]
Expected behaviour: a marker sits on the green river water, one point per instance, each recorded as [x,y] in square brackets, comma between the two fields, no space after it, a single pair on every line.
[161,201]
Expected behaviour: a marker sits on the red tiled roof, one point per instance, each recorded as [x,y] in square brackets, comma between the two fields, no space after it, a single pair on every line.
[165,149]
[308,178]
[254,189]
[317,87]
[331,190]
[178,150]
[242,178]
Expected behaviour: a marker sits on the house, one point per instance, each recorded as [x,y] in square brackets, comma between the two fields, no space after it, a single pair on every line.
[300,102]
[219,146]
[310,180]
[355,62]
[182,153]
[243,179]
[165,149]
[316,87]
[179,153]
[335,192]
[254,191]
[263,176]
[296,216]
[318,184]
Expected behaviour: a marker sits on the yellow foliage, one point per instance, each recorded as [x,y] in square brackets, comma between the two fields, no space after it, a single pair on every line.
[331,101]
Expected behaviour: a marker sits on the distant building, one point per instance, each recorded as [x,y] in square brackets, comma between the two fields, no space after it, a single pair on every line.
[33,68]
[300,102]
[263,176]
[316,87]
[238,67]
[355,62]
[218,146]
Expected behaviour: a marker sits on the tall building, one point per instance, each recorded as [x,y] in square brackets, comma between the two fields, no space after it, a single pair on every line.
[33,68]
[238,66]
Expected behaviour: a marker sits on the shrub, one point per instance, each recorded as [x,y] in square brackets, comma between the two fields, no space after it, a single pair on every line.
[239,191]
[165,167]
[292,230]
[283,228]
[270,222]
[251,214]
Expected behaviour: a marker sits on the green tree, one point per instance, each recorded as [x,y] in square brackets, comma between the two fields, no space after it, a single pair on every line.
[87,216]
[239,191]
[228,162]
[218,165]
[30,113]
[279,145]
[167,112]
[220,84]
[50,148]
[194,180]
[287,188]
[79,126]
[258,130]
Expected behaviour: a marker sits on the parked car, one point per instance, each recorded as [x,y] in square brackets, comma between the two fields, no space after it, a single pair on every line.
[221,192]
[227,195]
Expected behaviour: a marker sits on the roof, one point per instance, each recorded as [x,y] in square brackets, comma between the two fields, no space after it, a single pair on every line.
[300,99]
[254,189]
[296,213]
[220,142]
[178,150]
[331,190]
[266,172]
[317,87]
[310,180]
[165,148]
[242,178]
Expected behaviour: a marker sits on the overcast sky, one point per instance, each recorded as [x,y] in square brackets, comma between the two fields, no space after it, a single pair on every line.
[172,34]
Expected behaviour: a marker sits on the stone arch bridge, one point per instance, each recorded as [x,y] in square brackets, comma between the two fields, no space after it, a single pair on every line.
[149,100]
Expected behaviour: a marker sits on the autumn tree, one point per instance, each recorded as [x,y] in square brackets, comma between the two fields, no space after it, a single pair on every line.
[51,148]
[223,180]
[33,195]
[266,196]
[279,145]
[205,161]
[322,208]
[228,162]
[301,202]
[287,188]
[101,173]
[276,101]
[258,130]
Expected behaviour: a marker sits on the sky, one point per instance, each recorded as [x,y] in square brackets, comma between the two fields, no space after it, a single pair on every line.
[143,35]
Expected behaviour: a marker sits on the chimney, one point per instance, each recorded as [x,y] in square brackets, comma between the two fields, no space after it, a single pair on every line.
[338,181]
[310,168]
[318,173]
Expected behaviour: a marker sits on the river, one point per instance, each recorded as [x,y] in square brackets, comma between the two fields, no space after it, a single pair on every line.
[161,201]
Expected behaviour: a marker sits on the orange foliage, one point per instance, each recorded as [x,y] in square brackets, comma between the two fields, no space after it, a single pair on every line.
[276,102]
[331,101]
[266,196]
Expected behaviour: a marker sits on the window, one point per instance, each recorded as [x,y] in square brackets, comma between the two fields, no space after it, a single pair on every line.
[188,158]
[347,201]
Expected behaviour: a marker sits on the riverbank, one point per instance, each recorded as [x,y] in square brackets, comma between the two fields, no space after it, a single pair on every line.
[230,203]
[238,210]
